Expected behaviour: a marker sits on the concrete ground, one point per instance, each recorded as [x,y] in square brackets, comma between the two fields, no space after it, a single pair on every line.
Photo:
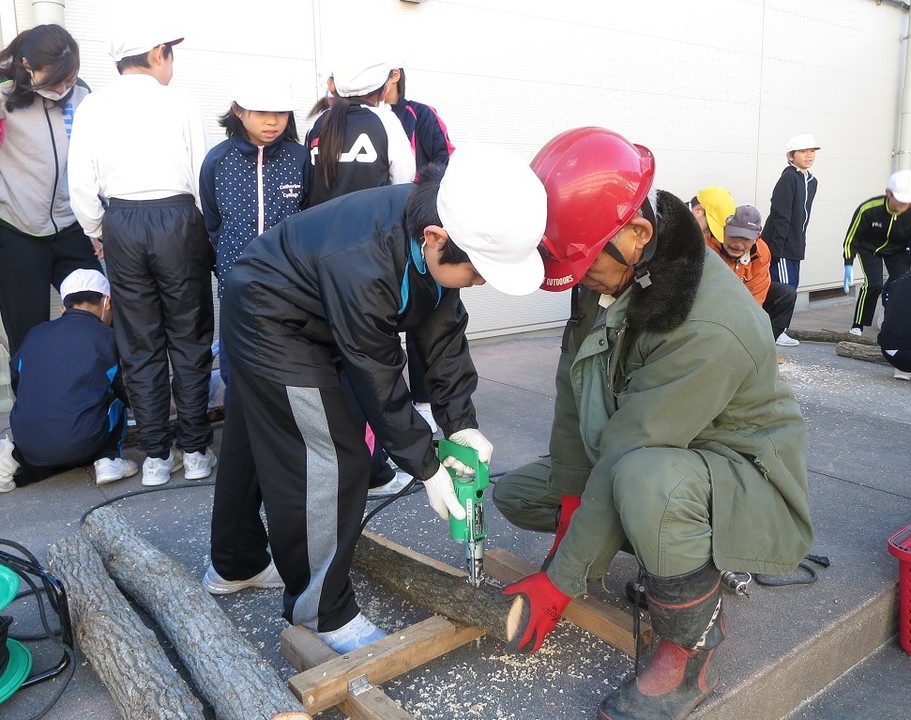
[785,644]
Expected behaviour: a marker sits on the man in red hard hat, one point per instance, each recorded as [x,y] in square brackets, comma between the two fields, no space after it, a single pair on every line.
[672,434]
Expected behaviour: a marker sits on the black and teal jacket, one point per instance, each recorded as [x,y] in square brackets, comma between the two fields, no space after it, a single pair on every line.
[876,229]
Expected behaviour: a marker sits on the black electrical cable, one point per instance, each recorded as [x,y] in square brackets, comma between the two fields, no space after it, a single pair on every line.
[41,597]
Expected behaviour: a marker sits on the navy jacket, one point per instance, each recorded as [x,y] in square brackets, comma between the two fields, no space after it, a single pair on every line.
[785,231]
[65,375]
[426,131]
[245,189]
[344,279]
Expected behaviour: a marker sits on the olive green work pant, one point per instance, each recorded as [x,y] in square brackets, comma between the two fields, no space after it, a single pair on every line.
[656,500]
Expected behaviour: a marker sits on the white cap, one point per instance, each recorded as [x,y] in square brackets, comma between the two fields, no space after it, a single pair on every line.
[263,92]
[84,280]
[804,141]
[354,77]
[140,36]
[495,208]
[900,186]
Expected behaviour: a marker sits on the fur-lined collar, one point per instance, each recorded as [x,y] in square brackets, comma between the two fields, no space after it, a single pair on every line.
[675,270]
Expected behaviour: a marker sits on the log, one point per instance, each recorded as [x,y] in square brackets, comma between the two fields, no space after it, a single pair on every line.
[122,650]
[228,672]
[828,336]
[860,351]
[442,589]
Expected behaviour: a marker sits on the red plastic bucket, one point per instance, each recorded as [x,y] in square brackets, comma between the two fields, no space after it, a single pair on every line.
[900,547]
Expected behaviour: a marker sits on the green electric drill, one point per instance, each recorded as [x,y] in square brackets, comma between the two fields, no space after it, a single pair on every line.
[470,492]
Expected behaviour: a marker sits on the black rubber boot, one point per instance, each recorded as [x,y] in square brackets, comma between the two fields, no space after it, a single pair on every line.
[686,615]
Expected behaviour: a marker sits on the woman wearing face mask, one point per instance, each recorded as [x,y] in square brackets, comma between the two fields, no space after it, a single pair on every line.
[40,241]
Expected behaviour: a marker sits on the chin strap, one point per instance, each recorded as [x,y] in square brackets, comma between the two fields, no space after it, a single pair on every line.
[641,268]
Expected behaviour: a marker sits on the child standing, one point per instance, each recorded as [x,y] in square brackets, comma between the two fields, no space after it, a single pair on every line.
[252,180]
[785,230]
[70,402]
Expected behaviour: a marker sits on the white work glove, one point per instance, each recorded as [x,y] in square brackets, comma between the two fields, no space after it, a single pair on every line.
[442,497]
[849,278]
[470,437]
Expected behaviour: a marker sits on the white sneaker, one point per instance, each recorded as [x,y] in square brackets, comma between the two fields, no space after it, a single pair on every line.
[426,412]
[198,465]
[899,375]
[8,465]
[856,331]
[108,470]
[156,471]
[400,480]
[357,633]
[217,585]
[786,341]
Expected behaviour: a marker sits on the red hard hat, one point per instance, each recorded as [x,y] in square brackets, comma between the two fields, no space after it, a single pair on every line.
[596,181]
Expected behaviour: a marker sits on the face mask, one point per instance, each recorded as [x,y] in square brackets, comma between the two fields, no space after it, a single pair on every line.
[53,96]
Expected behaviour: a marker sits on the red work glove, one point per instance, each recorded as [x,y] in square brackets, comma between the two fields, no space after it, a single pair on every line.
[568,505]
[534,613]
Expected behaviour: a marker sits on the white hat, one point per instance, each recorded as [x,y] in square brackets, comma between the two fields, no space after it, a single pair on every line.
[802,142]
[263,92]
[140,36]
[900,186]
[84,280]
[495,208]
[355,77]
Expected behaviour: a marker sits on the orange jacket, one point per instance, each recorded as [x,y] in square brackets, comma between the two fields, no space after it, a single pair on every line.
[755,274]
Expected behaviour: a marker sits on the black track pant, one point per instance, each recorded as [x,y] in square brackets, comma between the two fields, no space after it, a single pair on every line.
[159,263]
[872,266]
[311,472]
[779,305]
[28,267]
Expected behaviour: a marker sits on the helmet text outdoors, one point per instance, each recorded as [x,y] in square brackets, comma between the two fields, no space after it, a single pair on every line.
[596,181]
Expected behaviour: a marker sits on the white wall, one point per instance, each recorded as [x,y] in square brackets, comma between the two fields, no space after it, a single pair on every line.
[713,87]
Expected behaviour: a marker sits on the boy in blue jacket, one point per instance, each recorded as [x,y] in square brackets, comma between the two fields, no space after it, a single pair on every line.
[70,401]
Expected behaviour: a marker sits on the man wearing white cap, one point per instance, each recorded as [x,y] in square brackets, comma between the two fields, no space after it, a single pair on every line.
[879,233]
[785,230]
[69,409]
[337,284]
[134,163]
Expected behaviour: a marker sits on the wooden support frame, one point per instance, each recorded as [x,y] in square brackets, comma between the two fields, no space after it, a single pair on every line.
[349,681]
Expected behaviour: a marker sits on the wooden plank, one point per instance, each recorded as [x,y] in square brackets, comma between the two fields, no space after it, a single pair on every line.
[304,650]
[326,682]
[611,624]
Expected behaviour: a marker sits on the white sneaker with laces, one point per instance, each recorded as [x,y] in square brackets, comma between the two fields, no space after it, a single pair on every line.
[156,471]
[198,465]
[856,331]
[899,375]
[426,412]
[786,341]
[109,470]
[400,480]
[360,632]
[8,465]
[217,585]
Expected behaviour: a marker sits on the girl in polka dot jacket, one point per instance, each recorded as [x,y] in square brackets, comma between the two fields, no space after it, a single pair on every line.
[254,179]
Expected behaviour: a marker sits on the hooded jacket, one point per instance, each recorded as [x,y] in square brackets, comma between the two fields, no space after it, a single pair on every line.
[755,273]
[687,362]
[245,189]
[343,279]
[34,194]
[785,231]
